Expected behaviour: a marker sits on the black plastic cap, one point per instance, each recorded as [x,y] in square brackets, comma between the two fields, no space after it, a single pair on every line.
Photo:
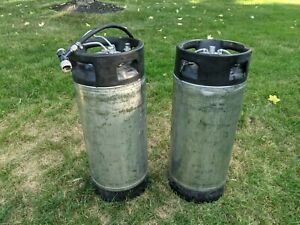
[101,70]
[196,196]
[117,196]
[212,69]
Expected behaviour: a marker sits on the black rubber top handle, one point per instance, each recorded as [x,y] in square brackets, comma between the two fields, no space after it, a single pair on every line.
[92,32]
[103,70]
[212,69]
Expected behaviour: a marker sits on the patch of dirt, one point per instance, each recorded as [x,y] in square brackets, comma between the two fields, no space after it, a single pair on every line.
[77,134]
[237,162]
[32,167]
[4,124]
[160,130]
[16,151]
[50,160]
[95,7]
[26,154]
[152,223]
[95,211]
[29,171]
[166,211]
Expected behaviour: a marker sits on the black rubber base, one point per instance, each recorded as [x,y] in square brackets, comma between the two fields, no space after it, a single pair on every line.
[116,196]
[196,196]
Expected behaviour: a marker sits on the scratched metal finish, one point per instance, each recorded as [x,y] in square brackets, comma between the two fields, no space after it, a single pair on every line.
[203,129]
[114,126]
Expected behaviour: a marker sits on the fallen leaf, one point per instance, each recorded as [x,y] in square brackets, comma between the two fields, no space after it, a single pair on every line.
[274,99]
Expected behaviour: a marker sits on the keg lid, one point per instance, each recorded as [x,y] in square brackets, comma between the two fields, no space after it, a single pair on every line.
[212,62]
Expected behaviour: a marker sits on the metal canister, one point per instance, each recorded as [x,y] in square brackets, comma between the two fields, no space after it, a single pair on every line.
[110,89]
[209,80]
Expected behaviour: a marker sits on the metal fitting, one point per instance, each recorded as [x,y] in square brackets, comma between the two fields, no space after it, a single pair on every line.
[66,66]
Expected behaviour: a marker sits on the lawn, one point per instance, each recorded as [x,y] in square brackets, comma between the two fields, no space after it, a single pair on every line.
[44,175]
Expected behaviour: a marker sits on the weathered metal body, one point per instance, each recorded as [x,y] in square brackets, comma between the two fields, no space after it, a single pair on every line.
[204,122]
[209,80]
[110,89]
[114,126]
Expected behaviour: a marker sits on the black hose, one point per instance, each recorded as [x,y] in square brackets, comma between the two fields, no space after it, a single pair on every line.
[92,32]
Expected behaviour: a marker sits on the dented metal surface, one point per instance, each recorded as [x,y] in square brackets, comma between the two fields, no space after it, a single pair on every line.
[114,126]
[203,129]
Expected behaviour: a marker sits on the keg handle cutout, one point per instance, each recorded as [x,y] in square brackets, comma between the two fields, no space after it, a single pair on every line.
[127,70]
[189,69]
[238,71]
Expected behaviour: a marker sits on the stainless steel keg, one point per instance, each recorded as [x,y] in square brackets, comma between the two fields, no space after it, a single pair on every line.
[108,74]
[209,80]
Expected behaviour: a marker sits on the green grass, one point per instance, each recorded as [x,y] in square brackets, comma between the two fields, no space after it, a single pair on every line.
[44,176]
